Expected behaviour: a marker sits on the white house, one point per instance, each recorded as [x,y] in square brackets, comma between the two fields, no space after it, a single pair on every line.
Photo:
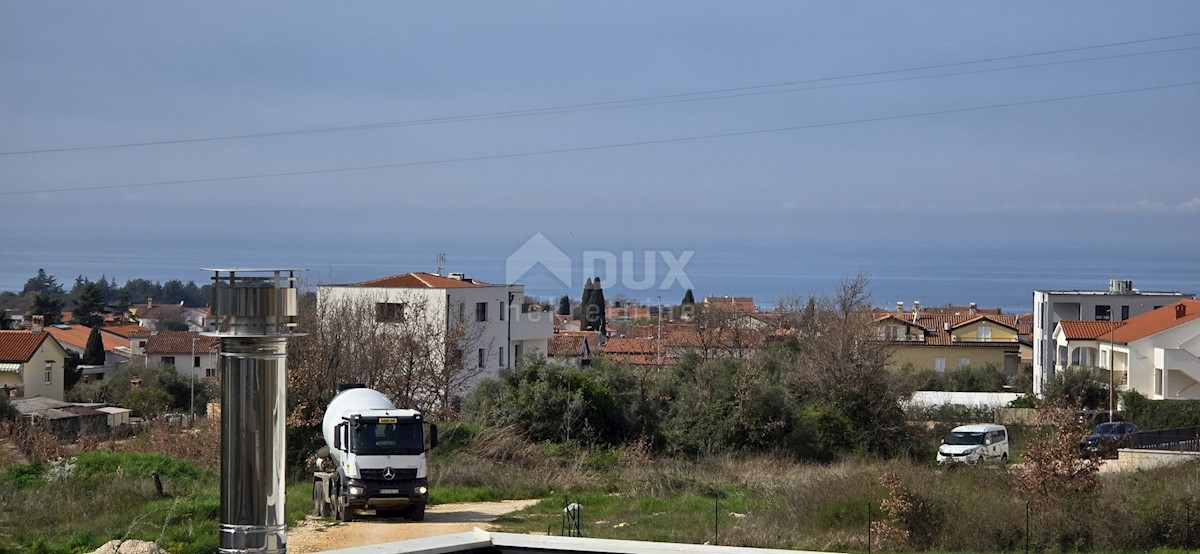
[189,352]
[31,364]
[1156,353]
[1120,302]
[503,328]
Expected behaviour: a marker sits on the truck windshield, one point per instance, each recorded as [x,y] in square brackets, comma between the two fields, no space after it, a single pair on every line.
[402,438]
[963,438]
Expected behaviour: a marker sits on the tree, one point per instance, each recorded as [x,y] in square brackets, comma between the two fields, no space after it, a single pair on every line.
[598,306]
[89,306]
[43,284]
[47,306]
[688,298]
[93,352]
[585,305]
[842,374]
[72,370]
[564,305]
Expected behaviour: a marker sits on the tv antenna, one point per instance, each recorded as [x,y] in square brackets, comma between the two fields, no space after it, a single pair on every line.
[441,262]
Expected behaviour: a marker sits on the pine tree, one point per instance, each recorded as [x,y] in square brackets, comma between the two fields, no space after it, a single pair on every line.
[93,353]
[564,305]
[688,298]
[47,306]
[89,306]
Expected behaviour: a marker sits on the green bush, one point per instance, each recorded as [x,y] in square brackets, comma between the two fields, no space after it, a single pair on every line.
[1160,414]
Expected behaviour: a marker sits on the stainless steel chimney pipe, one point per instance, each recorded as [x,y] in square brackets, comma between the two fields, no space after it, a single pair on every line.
[255,310]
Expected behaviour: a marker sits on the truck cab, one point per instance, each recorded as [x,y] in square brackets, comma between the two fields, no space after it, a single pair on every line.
[380,457]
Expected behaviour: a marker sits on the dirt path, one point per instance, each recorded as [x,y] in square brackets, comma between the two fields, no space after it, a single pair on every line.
[316,535]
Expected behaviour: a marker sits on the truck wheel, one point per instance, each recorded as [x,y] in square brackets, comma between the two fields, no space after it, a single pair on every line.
[345,513]
[416,512]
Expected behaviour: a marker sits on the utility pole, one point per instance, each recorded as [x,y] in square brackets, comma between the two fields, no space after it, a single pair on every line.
[192,374]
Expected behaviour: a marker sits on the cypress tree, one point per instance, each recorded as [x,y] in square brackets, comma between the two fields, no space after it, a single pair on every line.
[564,305]
[93,353]
[598,307]
[688,298]
[585,307]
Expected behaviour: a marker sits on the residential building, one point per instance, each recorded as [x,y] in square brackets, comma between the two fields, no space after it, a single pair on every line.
[131,337]
[152,315]
[73,338]
[1120,302]
[492,324]
[574,347]
[950,339]
[31,364]
[740,304]
[189,352]
[1156,353]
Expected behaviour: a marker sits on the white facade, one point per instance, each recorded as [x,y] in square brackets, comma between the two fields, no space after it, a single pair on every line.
[1161,366]
[1119,303]
[498,329]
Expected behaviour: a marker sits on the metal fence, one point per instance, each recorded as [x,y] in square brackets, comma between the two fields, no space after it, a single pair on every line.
[1183,439]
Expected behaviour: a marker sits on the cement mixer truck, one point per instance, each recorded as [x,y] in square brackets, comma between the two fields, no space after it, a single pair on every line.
[379,456]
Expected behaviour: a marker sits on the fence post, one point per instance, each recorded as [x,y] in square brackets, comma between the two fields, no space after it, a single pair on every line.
[1026,527]
[716,524]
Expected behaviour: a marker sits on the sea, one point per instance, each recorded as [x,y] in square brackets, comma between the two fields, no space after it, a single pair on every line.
[990,274]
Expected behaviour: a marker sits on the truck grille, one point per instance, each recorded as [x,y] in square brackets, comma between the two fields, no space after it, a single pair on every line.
[397,474]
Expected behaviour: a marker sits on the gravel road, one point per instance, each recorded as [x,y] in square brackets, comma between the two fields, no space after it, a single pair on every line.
[316,534]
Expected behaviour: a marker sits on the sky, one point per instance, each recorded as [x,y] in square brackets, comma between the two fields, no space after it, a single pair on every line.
[448,103]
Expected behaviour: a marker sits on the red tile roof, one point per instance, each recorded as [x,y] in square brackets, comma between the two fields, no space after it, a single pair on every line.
[19,346]
[1157,321]
[744,304]
[180,342]
[1088,330]
[420,280]
[1009,321]
[935,326]
[77,336]
[128,331]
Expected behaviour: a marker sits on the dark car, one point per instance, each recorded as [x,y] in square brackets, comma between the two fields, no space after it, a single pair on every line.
[1106,438]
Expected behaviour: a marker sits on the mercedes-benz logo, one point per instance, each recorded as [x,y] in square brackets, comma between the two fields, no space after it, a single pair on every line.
[389,474]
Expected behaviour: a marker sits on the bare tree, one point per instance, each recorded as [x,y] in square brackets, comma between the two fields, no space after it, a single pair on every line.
[844,368]
[457,368]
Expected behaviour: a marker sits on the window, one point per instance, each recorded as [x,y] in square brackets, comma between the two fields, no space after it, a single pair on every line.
[939,364]
[210,373]
[49,372]
[168,360]
[501,358]
[501,310]
[481,312]
[482,356]
[985,333]
[141,344]
[964,362]
[389,312]
[195,361]
[1124,313]
[1103,312]
[517,352]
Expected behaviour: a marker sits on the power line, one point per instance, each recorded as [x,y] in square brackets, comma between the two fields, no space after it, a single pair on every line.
[602,146]
[641,101]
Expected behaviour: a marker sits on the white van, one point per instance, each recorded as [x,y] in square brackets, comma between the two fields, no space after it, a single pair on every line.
[972,444]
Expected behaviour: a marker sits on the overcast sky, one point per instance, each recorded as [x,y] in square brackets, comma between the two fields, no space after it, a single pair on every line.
[855,159]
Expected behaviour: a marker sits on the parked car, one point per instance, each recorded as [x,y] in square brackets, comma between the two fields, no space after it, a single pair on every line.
[972,444]
[1106,438]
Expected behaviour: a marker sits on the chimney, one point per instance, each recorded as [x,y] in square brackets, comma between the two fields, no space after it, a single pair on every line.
[916,310]
[39,323]
[899,308]
[1180,310]
[972,309]
[149,303]
[458,276]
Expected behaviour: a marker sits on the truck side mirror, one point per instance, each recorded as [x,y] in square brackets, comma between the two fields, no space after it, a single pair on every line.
[337,436]
[432,436]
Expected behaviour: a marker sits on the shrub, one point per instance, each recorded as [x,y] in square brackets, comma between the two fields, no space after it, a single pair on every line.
[1160,414]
